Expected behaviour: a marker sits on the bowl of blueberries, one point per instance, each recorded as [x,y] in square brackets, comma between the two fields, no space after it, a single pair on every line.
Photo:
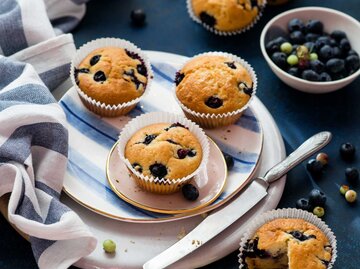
[313,49]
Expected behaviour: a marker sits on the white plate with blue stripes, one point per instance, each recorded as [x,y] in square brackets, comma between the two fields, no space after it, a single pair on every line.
[91,138]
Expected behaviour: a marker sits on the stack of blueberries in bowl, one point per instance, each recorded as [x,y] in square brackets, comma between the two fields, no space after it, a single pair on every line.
[311,54]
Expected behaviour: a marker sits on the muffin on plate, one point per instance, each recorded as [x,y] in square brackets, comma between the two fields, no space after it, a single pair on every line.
[287,238]
[110,76]
[226,16]
[214,89]
[163,151]
[288,243]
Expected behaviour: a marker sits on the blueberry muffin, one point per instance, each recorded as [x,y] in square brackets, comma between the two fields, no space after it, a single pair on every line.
[112,75]
[213,84]
[287,243]
[164,151]
[227,15]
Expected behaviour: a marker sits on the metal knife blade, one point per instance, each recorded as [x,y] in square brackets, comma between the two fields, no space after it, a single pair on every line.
[223,217]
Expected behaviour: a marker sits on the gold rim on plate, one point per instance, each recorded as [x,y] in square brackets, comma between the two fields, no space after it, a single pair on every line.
[181,211]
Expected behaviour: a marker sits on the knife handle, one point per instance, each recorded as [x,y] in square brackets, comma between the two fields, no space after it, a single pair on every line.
[306,149]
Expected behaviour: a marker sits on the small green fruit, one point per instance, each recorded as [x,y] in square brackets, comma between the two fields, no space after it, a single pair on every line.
[286,47]
[350,196]
[319,211]
[109,246]
[313,56]
[344,189]
[292,60]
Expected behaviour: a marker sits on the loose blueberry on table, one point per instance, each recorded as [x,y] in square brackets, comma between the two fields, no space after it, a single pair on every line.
[138,17]
[347,151]
[190,192]
[317,55]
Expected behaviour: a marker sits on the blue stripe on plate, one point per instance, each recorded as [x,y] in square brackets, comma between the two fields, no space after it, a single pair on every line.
[95,178]
[161,74]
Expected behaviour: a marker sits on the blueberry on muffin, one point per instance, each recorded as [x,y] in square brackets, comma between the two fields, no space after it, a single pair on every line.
[112,75]
[213,84]
[227,15]
[287,243]
[162,150]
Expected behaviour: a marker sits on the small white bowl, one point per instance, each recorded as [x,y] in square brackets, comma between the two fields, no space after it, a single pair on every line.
[332,20]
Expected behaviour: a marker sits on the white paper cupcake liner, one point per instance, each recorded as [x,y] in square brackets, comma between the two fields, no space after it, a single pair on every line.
[288,213]
[212,120]
[163,185]
[97,106]
[225,33]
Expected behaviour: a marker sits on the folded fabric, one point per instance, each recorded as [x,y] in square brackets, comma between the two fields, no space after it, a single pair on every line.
[33,133]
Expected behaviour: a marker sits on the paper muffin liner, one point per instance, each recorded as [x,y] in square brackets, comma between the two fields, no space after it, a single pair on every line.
[288,213]
[163,185]
[225,33]
[98,107]
[213,120]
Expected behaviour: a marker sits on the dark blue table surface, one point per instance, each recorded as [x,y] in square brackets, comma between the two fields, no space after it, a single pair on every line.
[298,115]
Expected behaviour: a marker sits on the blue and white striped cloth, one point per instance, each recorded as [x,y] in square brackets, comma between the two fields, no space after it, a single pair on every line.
[35,57]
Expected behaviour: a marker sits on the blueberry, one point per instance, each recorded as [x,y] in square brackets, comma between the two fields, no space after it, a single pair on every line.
[310,75]
[317,66]
[304,204]
[138,17]
[335,65]
[311,37]
[158,170]
[325,77]
[149,138]
[182,153]
[191,153]
[137,167]
[231,65]
[294,71]
[214,102]
[297,37]
[345,44]
[301,236]
[326,52]
[337,52]
[177,124]
[295,25]
[179,77]
[352,52]
[310,45]
[99,76]
[352,62]
[314,167]
[279,58]
[172,141]
[207,19]
[247,90]
[229,161]
[352,174]
[190,192]
[337,76]
[274,45]
[83,70]
[317,198]
[322,41]
[141,69]
[94,60]
[315,26]
[338,35]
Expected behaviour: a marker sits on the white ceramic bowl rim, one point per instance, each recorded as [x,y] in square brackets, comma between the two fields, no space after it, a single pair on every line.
[294,11]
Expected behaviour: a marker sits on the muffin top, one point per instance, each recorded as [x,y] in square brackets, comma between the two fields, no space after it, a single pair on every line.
[213,84]
[288,243]
[164,150]
[112,75]
[226,15]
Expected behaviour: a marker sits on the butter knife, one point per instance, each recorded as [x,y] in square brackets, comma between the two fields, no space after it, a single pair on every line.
[223,217]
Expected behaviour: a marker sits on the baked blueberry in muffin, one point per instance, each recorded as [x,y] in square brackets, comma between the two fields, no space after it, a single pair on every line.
[227,15]
[164,150]
[287,243]
[112,75]
[213,84]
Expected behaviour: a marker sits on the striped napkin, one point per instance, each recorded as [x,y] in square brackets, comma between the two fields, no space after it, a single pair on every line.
[34,59]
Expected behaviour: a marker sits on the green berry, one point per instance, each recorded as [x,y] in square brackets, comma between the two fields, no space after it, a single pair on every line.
[319,211]
[313,56]
[350,196]
[109,246]
[286,47]
[323,158]
[344,189]
[292,60]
